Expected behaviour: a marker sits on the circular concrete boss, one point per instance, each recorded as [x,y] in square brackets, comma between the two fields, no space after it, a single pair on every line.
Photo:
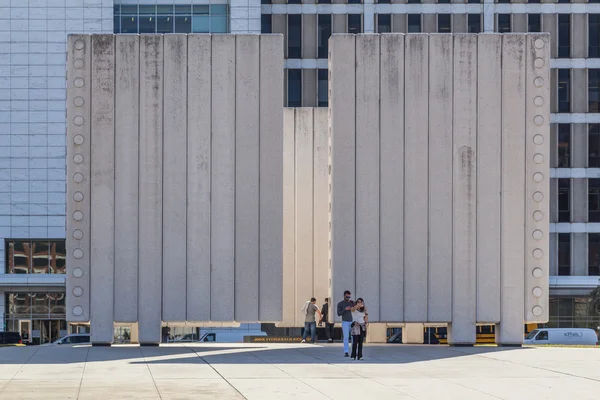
[78,253]
[77,272]
[77,310]
[77,291]
[77,234]
[537,273]
[537,291]
[537,311]
[538,235]
[538,139]
[538,196]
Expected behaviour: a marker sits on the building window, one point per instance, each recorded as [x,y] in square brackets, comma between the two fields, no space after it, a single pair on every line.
[564,200]
[594,200]
[474,1]
[503,23]
[534,23]
[354,23]
[384,1]
[593,254]
[533,1]
[294,36]
[564,35]
[474,23]
[265,23]
[384,23]
[294,88]
[413,1]
[324,1]
[265,1]
[564,254]
[444,23]
[593,87]
[564,146]
[503,1]
[593,35]
[324,33]
[568,1]
[354,1]
[414,23]
[564,90]
[200,18]
[35,256]
[594,145]
[444,1]
[322,88]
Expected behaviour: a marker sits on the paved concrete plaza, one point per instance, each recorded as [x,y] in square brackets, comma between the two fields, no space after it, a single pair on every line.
[236,371]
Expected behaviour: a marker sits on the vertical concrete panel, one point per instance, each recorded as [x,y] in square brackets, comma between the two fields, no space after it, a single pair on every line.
[102,226]
[320,204]
[342,145]
[579,145]
[391,220]
[579,199]
[553,146]
[223,178]
[127,115]
[464,134]
[247,54]
[309,87]
[512,256]
[440,178]
[519,23]
[309,36]
[304,209]
[399,23]
[416,177]
[150,206]
[553,254]
[489,144]
[271,178]
[579,38]
[78,162]
[339,22]
[175,178]
[537,157]
[579,98]
[550,25]
[289,219]
[199,177]
[367,172]
[579,257]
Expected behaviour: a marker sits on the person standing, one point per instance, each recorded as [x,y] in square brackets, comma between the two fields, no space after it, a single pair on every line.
[310,321]
[344,310]
[325,319]
[360,318]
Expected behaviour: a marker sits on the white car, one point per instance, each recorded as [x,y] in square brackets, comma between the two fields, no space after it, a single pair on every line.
[74,338]
[573,336]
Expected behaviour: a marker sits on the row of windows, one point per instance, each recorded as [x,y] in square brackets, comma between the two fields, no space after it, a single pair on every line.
[294,98]
[564,200]
[419,1]
[565,146]
[35,305]
[564,254]
[35,256]
[213,18]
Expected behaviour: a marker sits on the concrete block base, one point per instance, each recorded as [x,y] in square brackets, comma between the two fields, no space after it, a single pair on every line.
[376,333]
[412,334]
[461,335]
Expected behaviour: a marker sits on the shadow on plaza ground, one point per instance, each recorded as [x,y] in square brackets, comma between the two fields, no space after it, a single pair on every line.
[248,354]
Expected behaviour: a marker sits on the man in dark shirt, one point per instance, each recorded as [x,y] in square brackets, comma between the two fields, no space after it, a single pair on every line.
[344,308]
[325,318]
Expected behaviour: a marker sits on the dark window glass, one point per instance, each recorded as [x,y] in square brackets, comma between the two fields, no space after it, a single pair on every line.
[413,1]
[473,1]
[384,1]
[324,1]
[568,1]
[41,257]
[594,200]
[294,36]
[354,23]
[129,24]
[474,23]
[594,35]
[593,1]
[147,24]
[503,1]
[147,9]
[265,23]
[37,256]
[444,23]
[165,10]
[265,1]
[116,9]
[533,1]
[18,257]
[503,23]
[384,23]
[564,91]
[58,257]
[129,9]
[593,87]
[324,33]
[564,35]
[414,23]
[294,88]
[564,255]
[57,303]
[564,200]
[183,9]
[201,9]
[444,1]
[534,22]
[183,24]
[543,335]
[594,145]
[354,1]
[564,146]
[294,1]
[164,24]
[322,89]
[117,24]
[593,254]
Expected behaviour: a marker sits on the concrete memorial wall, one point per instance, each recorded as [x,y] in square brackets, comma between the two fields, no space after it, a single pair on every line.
[440,178]
[175,184]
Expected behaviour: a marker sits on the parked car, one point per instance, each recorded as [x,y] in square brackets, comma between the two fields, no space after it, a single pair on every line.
[10,338]
[74,338]
[573,336]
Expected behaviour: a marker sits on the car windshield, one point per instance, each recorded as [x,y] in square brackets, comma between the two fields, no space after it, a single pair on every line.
[531,334]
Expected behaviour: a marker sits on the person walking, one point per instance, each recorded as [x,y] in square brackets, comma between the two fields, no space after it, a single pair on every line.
[360,318]
[310,321]
[325,320]
[344,310]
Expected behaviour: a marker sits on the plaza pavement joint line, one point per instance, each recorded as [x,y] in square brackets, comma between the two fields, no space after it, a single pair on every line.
[151,376]
[87,356]
[217,372]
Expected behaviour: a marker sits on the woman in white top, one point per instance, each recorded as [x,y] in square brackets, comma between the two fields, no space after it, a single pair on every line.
[360,318]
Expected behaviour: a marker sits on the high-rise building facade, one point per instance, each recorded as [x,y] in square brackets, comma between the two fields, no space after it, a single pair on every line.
[32,117]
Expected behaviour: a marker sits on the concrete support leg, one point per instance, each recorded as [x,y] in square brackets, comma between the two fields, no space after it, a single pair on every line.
[460,336]
[376,333]
[412,334]
[510,334]
[135,334]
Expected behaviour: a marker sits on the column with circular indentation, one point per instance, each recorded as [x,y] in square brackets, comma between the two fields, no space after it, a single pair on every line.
[78,177]
[537,174]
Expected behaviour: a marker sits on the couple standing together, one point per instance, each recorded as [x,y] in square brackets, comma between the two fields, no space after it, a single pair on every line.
[354,321]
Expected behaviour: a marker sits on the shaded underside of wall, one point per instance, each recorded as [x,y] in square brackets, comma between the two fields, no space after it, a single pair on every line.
[174,180]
